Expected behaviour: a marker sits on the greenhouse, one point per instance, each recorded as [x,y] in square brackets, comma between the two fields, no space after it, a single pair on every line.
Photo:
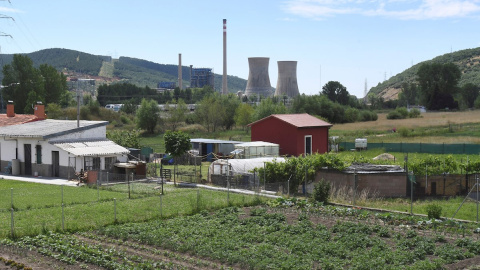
[256,149]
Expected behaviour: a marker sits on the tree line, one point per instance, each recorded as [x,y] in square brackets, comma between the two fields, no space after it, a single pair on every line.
[437,88]
[214,111]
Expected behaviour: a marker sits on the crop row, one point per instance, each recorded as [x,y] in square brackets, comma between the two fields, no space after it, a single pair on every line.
[266,240]
[69,249]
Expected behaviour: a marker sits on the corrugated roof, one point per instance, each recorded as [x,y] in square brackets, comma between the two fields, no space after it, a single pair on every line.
[201,140]
[49,128]
[300,120]
[92,148]
[257,143]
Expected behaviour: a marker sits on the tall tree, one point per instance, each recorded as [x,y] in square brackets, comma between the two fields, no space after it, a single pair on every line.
[336,92]
[470,92]
[230,102]
[210,112]
[243,115]
[147,115]
[267,107]
[176,114]
[177,143]
[23,83]
[409,93]
[55,83]
[438,82]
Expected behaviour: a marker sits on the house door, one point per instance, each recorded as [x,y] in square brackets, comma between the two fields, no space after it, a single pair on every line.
[433,187]
[55,164]
[308,145]
[28,158]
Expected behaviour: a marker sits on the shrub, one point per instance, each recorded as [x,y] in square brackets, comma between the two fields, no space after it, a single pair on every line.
[351,115]
[404,132]
[476,104]
[414,113]
[403,112]
[434,211]
[367,116]
[321,191]
[394,115]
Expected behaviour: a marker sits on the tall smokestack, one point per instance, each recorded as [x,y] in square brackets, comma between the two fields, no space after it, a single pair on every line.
[180,70]
[224,78]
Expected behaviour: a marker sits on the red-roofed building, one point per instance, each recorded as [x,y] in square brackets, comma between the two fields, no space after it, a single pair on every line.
[297,134]
[10,118]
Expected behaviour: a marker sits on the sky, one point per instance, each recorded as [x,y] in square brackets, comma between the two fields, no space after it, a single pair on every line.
[354,42]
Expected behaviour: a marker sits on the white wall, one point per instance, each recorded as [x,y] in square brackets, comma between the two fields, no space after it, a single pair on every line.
[94,133]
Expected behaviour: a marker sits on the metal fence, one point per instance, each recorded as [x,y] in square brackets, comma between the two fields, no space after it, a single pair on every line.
[429,148]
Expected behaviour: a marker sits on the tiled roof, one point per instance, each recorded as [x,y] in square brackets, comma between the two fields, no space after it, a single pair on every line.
[49,128]
[298,120]
[16,120]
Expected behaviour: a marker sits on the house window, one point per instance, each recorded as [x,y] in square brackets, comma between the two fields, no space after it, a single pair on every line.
[308,145]
[109,162]
[92,164]
[38,150]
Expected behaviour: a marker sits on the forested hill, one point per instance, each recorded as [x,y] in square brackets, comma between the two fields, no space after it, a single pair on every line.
[467,60]
[125,69]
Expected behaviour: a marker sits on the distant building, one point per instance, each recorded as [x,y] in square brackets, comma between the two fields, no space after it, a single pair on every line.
[167,85]
[200,77]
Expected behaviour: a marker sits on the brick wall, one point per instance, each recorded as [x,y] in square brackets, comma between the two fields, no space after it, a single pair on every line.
[383,184]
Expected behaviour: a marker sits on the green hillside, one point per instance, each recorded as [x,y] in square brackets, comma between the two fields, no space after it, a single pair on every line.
[467,60]
[125,69]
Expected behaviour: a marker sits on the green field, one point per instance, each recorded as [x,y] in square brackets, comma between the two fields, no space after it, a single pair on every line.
[38,208]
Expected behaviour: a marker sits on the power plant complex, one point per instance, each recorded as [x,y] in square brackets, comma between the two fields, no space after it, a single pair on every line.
[258,83]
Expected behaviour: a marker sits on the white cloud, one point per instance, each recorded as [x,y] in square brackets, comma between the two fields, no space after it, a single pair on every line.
[9,10]
[400,9]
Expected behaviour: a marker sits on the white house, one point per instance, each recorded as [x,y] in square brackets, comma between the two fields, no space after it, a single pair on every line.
[58,148]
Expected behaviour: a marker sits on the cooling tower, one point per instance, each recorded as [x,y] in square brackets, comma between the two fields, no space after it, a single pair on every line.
[287,79]
[258,79]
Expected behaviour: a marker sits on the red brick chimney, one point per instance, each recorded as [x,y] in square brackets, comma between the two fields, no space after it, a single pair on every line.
[39,111]
[10,109]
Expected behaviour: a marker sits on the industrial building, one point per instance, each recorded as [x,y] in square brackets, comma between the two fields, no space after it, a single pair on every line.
[201,77]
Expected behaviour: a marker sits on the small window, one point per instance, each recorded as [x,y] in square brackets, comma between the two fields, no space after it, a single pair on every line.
[109,162]
[38,149]
[92,163]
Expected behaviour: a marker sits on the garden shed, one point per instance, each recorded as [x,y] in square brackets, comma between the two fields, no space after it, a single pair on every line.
[256,149]
[210,148]
[296,134]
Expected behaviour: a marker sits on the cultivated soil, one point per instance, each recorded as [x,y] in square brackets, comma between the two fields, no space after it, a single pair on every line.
[34,260]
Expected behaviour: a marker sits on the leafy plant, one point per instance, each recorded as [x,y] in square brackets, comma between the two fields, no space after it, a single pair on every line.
[434,211]
[321,191]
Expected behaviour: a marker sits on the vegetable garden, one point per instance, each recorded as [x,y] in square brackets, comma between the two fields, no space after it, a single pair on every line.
[286,234]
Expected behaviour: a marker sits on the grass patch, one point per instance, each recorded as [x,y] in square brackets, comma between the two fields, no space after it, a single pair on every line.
[40,208]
